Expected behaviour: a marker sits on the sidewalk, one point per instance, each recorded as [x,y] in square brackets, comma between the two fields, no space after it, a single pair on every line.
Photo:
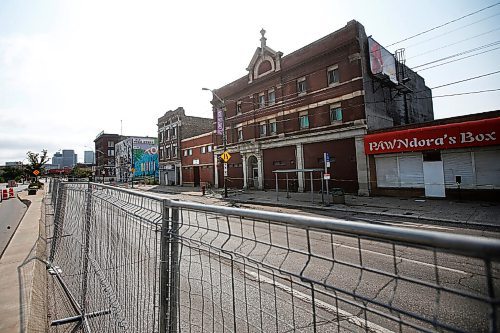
[476,214]
[22,287]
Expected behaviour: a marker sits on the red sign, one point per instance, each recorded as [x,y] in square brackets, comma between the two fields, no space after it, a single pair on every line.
[466,134]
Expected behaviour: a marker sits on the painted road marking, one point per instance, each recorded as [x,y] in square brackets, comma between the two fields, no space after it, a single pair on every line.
[349,317]
[404,259]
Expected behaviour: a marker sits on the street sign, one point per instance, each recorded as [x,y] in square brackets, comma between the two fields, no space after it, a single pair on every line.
[327,157]
[36,172]
[225,156]
[225,169]
[326,176]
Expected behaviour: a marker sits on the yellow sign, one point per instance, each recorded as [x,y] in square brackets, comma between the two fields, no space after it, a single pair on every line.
[36,172]
[225,156]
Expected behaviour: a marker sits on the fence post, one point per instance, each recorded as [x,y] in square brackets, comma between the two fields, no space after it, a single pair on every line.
[58,219]
[164,269]
[174,270]
[86,244]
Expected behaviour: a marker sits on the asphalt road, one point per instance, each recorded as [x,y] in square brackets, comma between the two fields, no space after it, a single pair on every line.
[11,213]
[245,276]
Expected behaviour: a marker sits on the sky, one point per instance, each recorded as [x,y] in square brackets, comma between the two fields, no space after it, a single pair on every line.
[71,69]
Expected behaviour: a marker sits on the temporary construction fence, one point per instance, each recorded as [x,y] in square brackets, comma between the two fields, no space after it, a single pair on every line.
[134,262]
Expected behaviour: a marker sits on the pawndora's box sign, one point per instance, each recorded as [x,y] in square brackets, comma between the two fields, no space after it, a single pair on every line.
[458,135]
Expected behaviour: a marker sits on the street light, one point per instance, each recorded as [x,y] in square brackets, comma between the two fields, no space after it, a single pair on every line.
[223,132]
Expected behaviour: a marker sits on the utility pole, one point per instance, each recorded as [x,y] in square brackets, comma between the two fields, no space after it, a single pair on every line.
[224,139]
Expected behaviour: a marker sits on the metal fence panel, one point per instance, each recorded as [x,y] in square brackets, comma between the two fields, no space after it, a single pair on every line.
[141,263]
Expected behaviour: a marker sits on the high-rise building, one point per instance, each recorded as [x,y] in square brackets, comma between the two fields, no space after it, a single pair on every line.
[88,157]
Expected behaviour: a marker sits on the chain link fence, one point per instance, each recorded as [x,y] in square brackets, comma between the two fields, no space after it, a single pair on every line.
[133,262]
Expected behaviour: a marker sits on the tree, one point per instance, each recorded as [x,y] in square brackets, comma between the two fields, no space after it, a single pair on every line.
[12,173]
[36,161]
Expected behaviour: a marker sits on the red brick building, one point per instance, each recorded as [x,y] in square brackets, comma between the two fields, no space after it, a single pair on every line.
[290,110]
[197,160]
[105,155]
[173,127]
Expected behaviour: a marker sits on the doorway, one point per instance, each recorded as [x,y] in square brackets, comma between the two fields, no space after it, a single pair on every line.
[196,175]
[252,173]
[434,179]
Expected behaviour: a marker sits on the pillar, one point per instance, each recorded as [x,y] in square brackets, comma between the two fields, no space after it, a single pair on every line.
[300,165]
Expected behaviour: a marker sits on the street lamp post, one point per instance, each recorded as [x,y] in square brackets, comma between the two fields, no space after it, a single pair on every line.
[224,142]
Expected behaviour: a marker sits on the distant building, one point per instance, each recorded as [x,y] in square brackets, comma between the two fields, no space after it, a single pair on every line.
[142,151]
[198,160]
[173,127]
[13,164]
[105,155]
[66,159]
[88,157]
[57,160]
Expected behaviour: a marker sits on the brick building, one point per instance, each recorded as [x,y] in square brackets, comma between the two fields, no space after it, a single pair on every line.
[173,127]
[105,155]
[198,160]
[290,110]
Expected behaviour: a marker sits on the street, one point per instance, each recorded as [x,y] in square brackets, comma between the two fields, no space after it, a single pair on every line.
[11,213]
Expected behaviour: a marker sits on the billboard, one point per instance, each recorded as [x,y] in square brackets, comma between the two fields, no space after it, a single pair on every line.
[382,62]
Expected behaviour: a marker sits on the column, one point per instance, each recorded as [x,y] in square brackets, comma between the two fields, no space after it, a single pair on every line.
[363,169]
[216,172]
[300,165]
[260,166]
[245,171]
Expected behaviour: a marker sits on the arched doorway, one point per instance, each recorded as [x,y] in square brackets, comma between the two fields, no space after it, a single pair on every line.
[252,172]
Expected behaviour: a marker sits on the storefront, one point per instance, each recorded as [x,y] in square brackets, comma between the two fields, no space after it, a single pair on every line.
[445,158]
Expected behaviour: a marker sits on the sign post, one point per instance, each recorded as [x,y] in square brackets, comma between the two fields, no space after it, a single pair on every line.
[326,159]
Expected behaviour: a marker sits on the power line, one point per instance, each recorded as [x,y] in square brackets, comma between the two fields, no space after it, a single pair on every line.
[451,31]
[472,55]
[464,80]
[464,93]
[460,41]
[444,24]
[459,54]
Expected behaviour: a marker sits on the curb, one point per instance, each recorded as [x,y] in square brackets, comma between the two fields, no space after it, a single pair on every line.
[470,225]
[423,219]
[28,203]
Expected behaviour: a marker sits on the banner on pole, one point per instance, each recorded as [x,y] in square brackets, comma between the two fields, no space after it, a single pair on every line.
[220,121]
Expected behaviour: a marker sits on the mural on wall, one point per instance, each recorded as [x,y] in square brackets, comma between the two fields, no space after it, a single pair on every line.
[145,157]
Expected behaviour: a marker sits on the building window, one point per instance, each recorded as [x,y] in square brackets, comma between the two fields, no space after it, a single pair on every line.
[111,152]
[238,107]
[161,153]
[272,127]
[190,152]
[304,121]
[335,113]
[209,149]
[168,134]
[333,75]
[167,152]
[301,86]
[262,100]
[174,131]
[203,149]
[240,134]
[111,144]
[271,96]
[186,152]
[174,150]
[262,129]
